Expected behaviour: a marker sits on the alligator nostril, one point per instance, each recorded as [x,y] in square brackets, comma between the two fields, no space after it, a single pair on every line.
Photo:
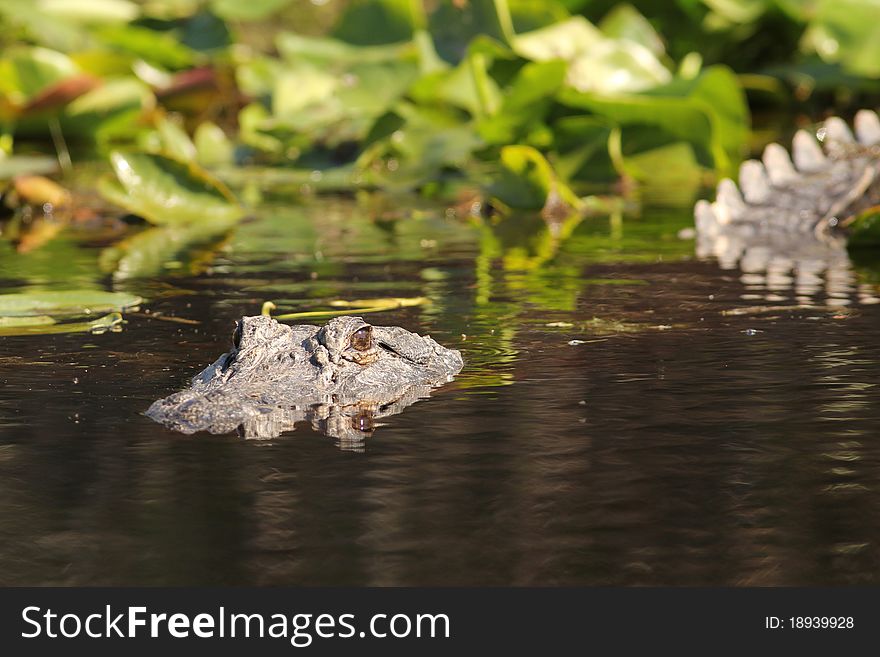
[236,335]
[227,362]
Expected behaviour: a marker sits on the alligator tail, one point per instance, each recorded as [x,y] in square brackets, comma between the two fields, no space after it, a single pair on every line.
[821,191]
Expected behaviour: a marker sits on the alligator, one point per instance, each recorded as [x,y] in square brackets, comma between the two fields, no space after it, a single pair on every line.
[341,377]
[788,219]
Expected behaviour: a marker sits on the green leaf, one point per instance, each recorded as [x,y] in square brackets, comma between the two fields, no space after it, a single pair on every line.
[625,22]
[581,148]
[213,147]
[113,95]
[528,15]
[846,32]
[40,26]
[467,86]
[709,111]
[427,142]
[525,102]
[253,119]
[90,11]
[174,141]
[165,191]
[111,111]
[671,174]
[362,94]
[160,48]
[455,25]
[26,71]
[528,182]
[246,10]
[374,22]
[299,86]
[338,54]
[864,230]
[566,40]
[64,303]
[18,322]
[597,63]
[39,326]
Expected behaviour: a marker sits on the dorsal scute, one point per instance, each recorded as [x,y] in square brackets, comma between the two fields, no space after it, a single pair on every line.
[800,192]
[754,182]
[729,204]
[867,125]
[837,131]
[806,153]
[778,165]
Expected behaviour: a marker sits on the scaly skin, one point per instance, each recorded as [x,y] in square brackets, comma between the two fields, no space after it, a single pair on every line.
[341,377]
[786,222]
[820,192]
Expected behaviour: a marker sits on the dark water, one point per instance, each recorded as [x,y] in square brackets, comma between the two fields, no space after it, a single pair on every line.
[671,443]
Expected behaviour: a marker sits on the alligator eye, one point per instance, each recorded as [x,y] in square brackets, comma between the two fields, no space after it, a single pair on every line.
[362,339]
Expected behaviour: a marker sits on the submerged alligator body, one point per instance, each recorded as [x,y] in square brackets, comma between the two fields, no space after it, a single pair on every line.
[786,222]
[341,377]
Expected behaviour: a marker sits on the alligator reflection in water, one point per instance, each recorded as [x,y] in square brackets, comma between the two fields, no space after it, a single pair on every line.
[785,268]
[341,377]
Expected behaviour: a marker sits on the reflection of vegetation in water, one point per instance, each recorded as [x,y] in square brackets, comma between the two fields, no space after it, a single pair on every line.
[524,246]
[189,248]
[59,263]
[529,270]
[867,265]
[540,263]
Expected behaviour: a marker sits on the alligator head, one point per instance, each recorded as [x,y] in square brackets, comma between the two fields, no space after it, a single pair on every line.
[341,377]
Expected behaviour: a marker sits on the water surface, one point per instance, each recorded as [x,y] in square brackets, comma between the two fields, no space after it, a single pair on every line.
[614,424]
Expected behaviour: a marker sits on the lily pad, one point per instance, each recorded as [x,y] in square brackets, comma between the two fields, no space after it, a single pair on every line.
[40,326]
[164,191]
[27,320]
[63,303]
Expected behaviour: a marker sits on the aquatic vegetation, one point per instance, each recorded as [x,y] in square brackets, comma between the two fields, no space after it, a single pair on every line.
[45,312]
[527,117]
[534,102]
[354,307]
[530,103]
[164,190]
